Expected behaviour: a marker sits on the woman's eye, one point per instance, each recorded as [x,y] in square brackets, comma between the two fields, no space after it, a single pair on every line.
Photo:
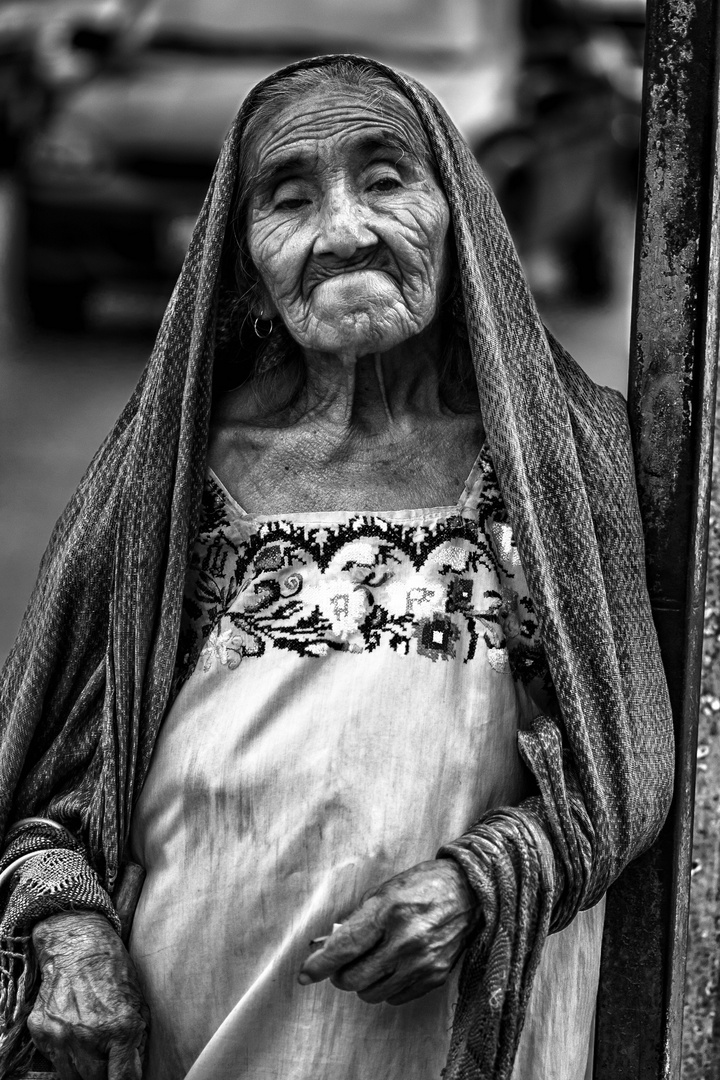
[385,183]
[291,204]
[290,195]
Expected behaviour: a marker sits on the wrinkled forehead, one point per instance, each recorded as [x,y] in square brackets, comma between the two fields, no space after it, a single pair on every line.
[308,120]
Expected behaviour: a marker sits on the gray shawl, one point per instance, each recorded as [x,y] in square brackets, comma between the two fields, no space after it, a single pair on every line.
[87,685]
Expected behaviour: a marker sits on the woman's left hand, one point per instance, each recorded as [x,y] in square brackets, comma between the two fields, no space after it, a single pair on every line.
[403,939]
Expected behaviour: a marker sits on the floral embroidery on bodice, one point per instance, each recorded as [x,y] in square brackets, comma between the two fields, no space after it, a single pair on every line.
[433,582]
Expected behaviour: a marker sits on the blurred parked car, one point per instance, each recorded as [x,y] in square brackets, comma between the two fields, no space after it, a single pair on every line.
[112,182]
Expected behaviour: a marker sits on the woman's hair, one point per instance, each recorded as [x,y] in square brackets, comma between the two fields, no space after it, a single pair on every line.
[251,350]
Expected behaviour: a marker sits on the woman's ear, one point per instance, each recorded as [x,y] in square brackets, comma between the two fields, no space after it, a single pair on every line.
[252,290]
[268,311]
[262,306]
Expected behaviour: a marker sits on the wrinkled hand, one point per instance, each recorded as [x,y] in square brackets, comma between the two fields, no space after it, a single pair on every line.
[90,1019]
[403,939]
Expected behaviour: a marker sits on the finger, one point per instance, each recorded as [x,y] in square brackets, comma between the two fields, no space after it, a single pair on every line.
[61,1063]
[407,980]
[368,894]
[416,991]
[88,1065]
[403,985]
[124,1063]
[399,952]
[352,939]
[375,967]
[397,983]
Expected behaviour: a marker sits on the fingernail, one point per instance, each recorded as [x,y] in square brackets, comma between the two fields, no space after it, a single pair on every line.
[304,979]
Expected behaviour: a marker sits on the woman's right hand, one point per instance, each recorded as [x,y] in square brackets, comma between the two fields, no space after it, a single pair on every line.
[89,1019]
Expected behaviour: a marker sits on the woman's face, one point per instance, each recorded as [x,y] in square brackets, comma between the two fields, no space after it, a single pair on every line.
[347,226]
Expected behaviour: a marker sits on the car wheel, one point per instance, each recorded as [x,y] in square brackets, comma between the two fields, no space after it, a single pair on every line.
[56,305]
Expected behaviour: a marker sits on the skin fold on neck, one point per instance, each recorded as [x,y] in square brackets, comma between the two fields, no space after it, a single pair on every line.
[375,394]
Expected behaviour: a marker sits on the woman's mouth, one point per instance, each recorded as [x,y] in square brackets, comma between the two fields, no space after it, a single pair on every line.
[326,267]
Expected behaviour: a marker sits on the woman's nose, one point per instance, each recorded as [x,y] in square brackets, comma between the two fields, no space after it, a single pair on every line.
[343,227]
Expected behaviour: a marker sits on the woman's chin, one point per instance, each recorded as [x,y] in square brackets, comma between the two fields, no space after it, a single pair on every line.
[358,333]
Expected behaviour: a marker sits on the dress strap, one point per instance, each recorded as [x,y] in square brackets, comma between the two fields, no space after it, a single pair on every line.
[481,475]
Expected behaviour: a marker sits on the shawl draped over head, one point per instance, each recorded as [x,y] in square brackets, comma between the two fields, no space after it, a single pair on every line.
[87,685]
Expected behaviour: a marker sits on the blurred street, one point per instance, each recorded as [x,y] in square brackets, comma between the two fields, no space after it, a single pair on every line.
[59,396]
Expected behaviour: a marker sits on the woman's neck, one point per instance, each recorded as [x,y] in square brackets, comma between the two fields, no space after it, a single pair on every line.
[368,395]
[373,393]
[369,431]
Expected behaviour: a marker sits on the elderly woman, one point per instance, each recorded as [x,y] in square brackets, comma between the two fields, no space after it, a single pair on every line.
[344,639]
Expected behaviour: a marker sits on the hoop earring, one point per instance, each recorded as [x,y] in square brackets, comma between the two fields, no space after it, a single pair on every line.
[257,332]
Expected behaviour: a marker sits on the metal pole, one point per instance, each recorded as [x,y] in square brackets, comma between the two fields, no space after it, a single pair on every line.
[673,364]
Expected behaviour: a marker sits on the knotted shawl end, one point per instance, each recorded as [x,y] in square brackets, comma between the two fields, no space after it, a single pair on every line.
[509,862]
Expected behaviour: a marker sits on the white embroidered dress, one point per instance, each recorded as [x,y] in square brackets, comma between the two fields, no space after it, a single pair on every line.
[351,691]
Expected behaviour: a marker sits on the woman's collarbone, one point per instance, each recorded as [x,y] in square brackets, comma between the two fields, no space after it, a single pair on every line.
[301,475]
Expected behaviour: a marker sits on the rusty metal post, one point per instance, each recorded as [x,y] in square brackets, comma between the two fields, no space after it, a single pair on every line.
[673,363]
